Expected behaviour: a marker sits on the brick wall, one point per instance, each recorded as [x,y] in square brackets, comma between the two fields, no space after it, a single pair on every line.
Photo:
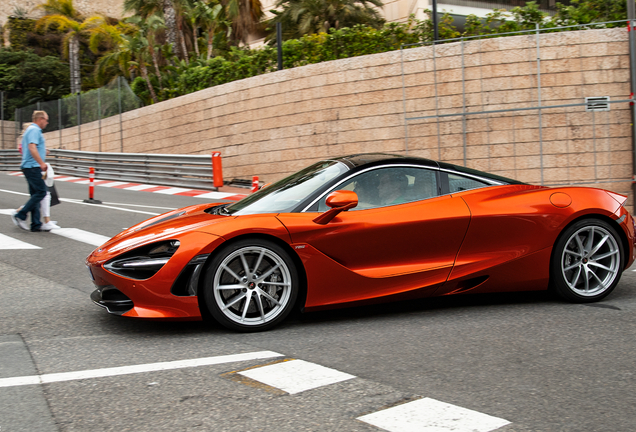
[275,124]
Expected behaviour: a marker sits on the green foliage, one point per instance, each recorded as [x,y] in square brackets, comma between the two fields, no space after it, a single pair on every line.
[26,78]
[303,17]
[236,63]
[591,11]
[137,48]
[18,32]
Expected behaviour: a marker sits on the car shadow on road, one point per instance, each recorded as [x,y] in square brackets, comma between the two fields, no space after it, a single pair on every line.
[458,302]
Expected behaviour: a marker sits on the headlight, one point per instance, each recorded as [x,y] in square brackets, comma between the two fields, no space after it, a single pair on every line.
[144,262]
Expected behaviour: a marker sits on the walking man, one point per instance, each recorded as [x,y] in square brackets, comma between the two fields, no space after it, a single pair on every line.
[33,156]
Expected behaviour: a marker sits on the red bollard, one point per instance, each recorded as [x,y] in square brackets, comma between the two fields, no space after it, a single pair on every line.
[91,187]
[254,184]
[217,170]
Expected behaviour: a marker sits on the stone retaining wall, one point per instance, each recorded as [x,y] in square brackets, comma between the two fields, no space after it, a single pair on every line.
[275,124]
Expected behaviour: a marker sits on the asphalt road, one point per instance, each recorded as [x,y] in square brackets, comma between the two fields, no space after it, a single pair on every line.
[529,359]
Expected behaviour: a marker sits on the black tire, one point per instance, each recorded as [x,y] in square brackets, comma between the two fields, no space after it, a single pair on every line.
[587,261]
[251,285]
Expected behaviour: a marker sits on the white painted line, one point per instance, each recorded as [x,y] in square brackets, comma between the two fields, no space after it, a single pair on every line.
[296,376]
[111,184]
[81,202]
[172,191]
[8,212]
[126,370]
[430,415]
[141,205]
[81,235]
[140,187]
[14,192]
[7,242]
[66,178]
[82,182]
[215,195]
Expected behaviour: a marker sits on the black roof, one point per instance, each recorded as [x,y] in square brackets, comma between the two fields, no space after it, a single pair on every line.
[371,159]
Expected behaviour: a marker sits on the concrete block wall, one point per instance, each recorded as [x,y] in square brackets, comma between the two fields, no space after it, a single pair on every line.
[7,135]
[274,124]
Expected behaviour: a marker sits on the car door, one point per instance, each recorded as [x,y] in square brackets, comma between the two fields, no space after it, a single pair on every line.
[418,234]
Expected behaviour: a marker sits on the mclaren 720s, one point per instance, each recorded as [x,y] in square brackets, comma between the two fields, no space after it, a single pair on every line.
[361,229]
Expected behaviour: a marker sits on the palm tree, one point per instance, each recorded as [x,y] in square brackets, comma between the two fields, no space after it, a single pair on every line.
[206,16]
[302,17]
[115,61]
[163,8]
[150,28]
[131,46]
[245,18]
[63,14]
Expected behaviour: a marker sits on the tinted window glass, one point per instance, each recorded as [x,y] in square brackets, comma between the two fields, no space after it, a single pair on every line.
[284,195]
[387,186]
[457,183]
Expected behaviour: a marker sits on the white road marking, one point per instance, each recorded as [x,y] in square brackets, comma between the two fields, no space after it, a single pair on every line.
[296,376]
[7,212]
[126,370]
[166,190]
[66,178]
[214,195]
[7,242]
[430,415]
[13,192]
[81,235]
[74,201]
[172,191]
[140,205]
[141,187]
[112,184]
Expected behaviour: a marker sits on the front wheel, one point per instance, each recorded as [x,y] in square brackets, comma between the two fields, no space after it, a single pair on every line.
[251,285]
[587,261]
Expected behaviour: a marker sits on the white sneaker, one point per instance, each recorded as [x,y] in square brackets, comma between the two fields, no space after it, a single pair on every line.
[19,222]
[49,226]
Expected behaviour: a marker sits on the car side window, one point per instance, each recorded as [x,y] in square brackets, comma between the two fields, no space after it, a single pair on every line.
[388,186]
[457,183]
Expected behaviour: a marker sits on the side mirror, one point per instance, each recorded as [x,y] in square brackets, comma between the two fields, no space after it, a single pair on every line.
[339,201]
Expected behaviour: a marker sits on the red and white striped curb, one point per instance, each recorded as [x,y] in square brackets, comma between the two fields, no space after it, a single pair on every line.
[166,190]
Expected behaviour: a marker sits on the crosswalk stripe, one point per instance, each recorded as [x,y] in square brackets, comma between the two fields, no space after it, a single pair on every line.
[432,415]
[81,235]
[296,376]
[7,242]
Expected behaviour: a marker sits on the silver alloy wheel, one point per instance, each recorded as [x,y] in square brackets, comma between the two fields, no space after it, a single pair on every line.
[591,261]
[252,286]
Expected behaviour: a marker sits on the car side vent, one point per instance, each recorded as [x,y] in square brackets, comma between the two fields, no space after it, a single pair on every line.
[600,103]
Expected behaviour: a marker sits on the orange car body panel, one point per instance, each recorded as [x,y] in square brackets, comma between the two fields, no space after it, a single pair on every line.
[152,297]
[419,246]
[492,239]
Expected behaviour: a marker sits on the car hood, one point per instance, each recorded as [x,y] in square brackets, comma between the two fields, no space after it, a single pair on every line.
[177,224]
[165,226]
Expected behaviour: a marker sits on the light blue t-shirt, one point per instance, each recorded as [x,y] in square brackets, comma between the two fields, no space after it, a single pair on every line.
[34,135]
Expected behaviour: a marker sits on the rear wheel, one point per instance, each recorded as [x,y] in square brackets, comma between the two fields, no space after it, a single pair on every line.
[587,261]
[251,285]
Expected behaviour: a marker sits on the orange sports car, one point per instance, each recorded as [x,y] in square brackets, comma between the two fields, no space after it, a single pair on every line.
[359,229]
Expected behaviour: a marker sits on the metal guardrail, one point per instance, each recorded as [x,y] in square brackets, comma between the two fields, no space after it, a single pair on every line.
[189,171]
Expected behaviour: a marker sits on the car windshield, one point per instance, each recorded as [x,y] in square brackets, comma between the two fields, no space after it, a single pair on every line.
[285,195]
